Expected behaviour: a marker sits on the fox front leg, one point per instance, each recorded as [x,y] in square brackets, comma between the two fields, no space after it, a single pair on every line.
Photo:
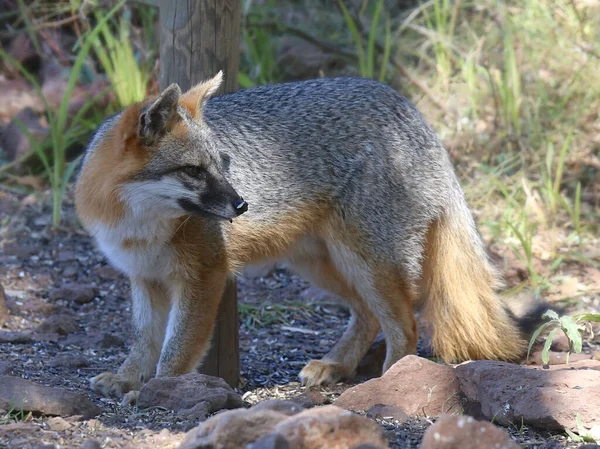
[150,303]
[191,322]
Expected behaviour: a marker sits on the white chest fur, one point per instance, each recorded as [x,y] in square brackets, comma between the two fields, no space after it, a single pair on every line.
[138,248]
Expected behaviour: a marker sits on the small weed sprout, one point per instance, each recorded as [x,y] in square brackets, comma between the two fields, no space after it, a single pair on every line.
[572,326]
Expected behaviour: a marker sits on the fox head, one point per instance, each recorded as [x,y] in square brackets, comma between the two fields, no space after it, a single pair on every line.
[156,159]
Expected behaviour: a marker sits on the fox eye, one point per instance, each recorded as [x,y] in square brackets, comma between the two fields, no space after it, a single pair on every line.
[193,171]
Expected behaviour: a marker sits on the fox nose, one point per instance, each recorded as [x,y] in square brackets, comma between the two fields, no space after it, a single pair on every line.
[240,206]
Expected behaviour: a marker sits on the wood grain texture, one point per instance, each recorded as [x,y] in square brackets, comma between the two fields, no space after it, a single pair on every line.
[197,39]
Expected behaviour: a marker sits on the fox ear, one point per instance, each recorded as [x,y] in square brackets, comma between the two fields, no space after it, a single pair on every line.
[161,115]
[193,100]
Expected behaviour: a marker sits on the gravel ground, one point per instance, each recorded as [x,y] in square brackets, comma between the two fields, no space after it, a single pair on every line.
[283,325]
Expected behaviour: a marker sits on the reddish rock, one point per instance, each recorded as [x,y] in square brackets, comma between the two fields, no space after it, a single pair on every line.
[204,394]
[417,386]
[282,424]
[311,398]
[61,324]
[560,342]
[22,49]
[14,142]
[69,361]
[107,272]
[21,394]
[331,427]
[464,432]
[80,294]
[516,394]
[235,428]
[15,337]
[389,412]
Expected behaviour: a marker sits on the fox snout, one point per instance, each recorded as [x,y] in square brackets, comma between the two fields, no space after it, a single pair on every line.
[218,200]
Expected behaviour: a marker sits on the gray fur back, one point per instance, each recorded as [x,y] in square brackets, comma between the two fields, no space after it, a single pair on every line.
[352,139]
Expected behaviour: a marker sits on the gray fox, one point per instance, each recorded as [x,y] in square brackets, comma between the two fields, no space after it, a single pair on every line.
[341,178]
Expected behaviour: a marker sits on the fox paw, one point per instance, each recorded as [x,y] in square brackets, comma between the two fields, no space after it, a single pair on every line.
[320,372]
[110,385]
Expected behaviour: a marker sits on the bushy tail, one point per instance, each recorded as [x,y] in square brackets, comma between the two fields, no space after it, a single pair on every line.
[459,286]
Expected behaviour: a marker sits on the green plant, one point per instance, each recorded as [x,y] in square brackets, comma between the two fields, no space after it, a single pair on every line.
[367,56]
[508,85]
[442,22]
[15,414]
[129,79]
[572,326]
[552,175]
[61,137]
[259,57]
[524,232]
[582,435]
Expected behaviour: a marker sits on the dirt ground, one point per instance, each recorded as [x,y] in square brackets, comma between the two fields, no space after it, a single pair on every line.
[281,329]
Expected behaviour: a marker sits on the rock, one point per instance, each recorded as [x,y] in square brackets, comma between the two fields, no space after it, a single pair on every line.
[233,429]
[22,49]
[271,441]
[59,424]
[21,394]
[278,425]
[69,361]
[66,255]
[547,399]
[71,271]
[287,408]
[417,386]
[3,307]
[387,412]
[331,427]
[80,294]
[15,337]
[6,370]
[107,273]
[107,341]
[560,342]
[90,444]
[311,398]
[589,446]
[61,324]
[14,142]
[594,432]
[188,392]
[464,432]
[17,94]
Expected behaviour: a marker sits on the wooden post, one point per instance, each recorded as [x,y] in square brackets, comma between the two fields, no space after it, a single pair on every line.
[197,39]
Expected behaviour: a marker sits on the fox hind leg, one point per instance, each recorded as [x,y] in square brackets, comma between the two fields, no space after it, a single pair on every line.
[315,265]
[387,293]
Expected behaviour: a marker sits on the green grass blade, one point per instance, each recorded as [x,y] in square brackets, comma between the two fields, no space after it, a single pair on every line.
[385,58]
[356,36]
[571,329]
[546,348]
[535,335]
[372,39]
[85,49]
